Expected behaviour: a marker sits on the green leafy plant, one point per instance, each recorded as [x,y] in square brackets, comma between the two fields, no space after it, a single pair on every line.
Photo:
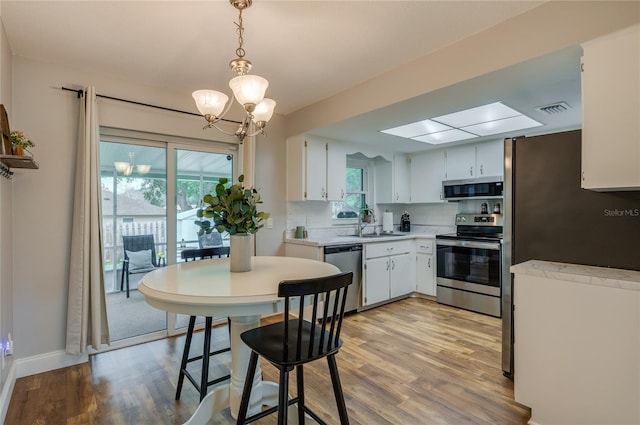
[232,208]
[18,139]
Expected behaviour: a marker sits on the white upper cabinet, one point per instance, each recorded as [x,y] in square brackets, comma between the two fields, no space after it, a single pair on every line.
[473,161]
[611,111]
[427,173]
[490,159]
[460,162]
[316,166]
[393,180]
[316,169]
[401,179]
[336,172]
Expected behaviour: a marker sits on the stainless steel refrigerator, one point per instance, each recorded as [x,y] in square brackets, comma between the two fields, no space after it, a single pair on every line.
[547,216]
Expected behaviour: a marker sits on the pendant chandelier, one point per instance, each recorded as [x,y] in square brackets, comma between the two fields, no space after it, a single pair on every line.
[248,90]
[126,168]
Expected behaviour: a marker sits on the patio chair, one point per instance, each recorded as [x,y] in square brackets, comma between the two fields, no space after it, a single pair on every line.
[201,254]
[207,240]
[139,257]
[292,343]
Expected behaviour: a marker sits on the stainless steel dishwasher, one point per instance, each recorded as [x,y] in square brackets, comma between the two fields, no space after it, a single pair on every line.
[348,258]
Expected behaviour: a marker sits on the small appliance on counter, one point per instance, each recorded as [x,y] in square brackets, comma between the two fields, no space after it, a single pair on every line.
[405,223]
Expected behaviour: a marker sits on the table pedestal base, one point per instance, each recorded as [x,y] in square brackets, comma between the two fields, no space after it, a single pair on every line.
[229,396]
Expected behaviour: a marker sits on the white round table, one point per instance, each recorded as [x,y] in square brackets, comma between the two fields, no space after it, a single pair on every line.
[208,288]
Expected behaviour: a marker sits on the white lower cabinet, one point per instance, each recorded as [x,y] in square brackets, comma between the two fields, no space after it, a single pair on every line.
[425,267]
[388,271]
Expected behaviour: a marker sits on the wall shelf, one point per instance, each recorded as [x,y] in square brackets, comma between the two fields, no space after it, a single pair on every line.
[18,161]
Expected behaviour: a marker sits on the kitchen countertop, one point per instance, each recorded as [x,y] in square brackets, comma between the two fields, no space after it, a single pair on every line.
[590,275]
[347,240]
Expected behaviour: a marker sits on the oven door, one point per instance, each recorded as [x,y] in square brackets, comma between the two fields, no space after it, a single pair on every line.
[469,265]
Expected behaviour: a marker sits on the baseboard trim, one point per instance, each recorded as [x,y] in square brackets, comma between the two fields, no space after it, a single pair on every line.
[48,361]
[7,390]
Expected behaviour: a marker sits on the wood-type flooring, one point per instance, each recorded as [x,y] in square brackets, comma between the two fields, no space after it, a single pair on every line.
[411,362]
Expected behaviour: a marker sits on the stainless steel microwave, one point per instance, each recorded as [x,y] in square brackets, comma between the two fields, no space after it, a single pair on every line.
[482,188]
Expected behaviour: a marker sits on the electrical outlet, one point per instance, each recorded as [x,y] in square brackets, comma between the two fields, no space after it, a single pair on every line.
[270,223]
[8,347]
[308,221]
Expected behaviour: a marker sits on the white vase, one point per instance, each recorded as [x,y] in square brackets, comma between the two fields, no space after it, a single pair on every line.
[240,252]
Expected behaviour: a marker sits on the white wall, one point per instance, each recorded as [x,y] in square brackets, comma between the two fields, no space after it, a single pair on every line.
[43,198]
[6,233]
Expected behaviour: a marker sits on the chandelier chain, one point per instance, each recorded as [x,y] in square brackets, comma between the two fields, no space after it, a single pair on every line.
[240,31]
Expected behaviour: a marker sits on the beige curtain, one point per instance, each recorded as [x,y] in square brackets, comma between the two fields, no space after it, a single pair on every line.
[87,311]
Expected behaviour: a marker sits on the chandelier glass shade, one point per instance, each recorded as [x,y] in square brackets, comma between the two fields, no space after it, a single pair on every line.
[126,168]
[248,91]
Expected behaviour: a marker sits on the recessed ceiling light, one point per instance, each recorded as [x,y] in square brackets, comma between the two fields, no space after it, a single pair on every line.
[502,126]
[484,120]
[477,115]
[445,136]
[417,129]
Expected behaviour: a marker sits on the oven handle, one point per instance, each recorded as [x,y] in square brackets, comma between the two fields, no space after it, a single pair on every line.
[469,244]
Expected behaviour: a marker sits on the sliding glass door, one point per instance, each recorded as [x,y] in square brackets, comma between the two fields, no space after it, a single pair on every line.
[134,203]
[196,174]
[152,185]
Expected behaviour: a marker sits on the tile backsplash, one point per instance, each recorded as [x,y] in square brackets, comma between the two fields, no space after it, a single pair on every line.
[317,215]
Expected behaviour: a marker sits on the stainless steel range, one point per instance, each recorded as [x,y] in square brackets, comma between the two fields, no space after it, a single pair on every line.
[469,272]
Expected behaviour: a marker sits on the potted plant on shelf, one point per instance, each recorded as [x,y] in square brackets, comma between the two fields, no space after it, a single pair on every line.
[233,209]
[366,214]
[19,142]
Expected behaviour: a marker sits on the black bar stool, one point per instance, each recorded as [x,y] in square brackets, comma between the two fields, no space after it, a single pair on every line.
[203,385]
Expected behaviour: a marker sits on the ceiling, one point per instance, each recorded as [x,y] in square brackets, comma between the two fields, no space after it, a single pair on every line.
[308,50]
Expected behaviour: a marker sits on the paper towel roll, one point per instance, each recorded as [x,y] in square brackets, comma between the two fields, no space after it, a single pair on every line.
[387,222]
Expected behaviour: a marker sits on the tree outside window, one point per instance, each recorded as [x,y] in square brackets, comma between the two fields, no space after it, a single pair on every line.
[356,196]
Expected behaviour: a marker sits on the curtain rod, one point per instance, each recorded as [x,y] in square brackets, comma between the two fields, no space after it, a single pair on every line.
[80,93]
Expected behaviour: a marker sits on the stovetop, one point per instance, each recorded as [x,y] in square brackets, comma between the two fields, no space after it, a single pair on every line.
[476,227]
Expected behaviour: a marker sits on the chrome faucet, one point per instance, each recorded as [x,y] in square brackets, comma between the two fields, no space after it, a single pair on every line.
[360,226]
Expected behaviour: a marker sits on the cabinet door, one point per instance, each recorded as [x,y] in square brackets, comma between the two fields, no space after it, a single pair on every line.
[460,162]
[296,168]
[336,172]
[427,173]
[316,170]
[402,277]
[384,181]
[610,110]
[376,280]
[490,159]
[401,179]
[425,274]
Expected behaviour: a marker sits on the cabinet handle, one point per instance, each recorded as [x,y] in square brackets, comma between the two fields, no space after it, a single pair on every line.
[471,170]
[481,170]
[423,246]
[388,261]
[393,265]
[323,193]
[341,193]
[429,263]
[583,176]
[390,249]
[397,196]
